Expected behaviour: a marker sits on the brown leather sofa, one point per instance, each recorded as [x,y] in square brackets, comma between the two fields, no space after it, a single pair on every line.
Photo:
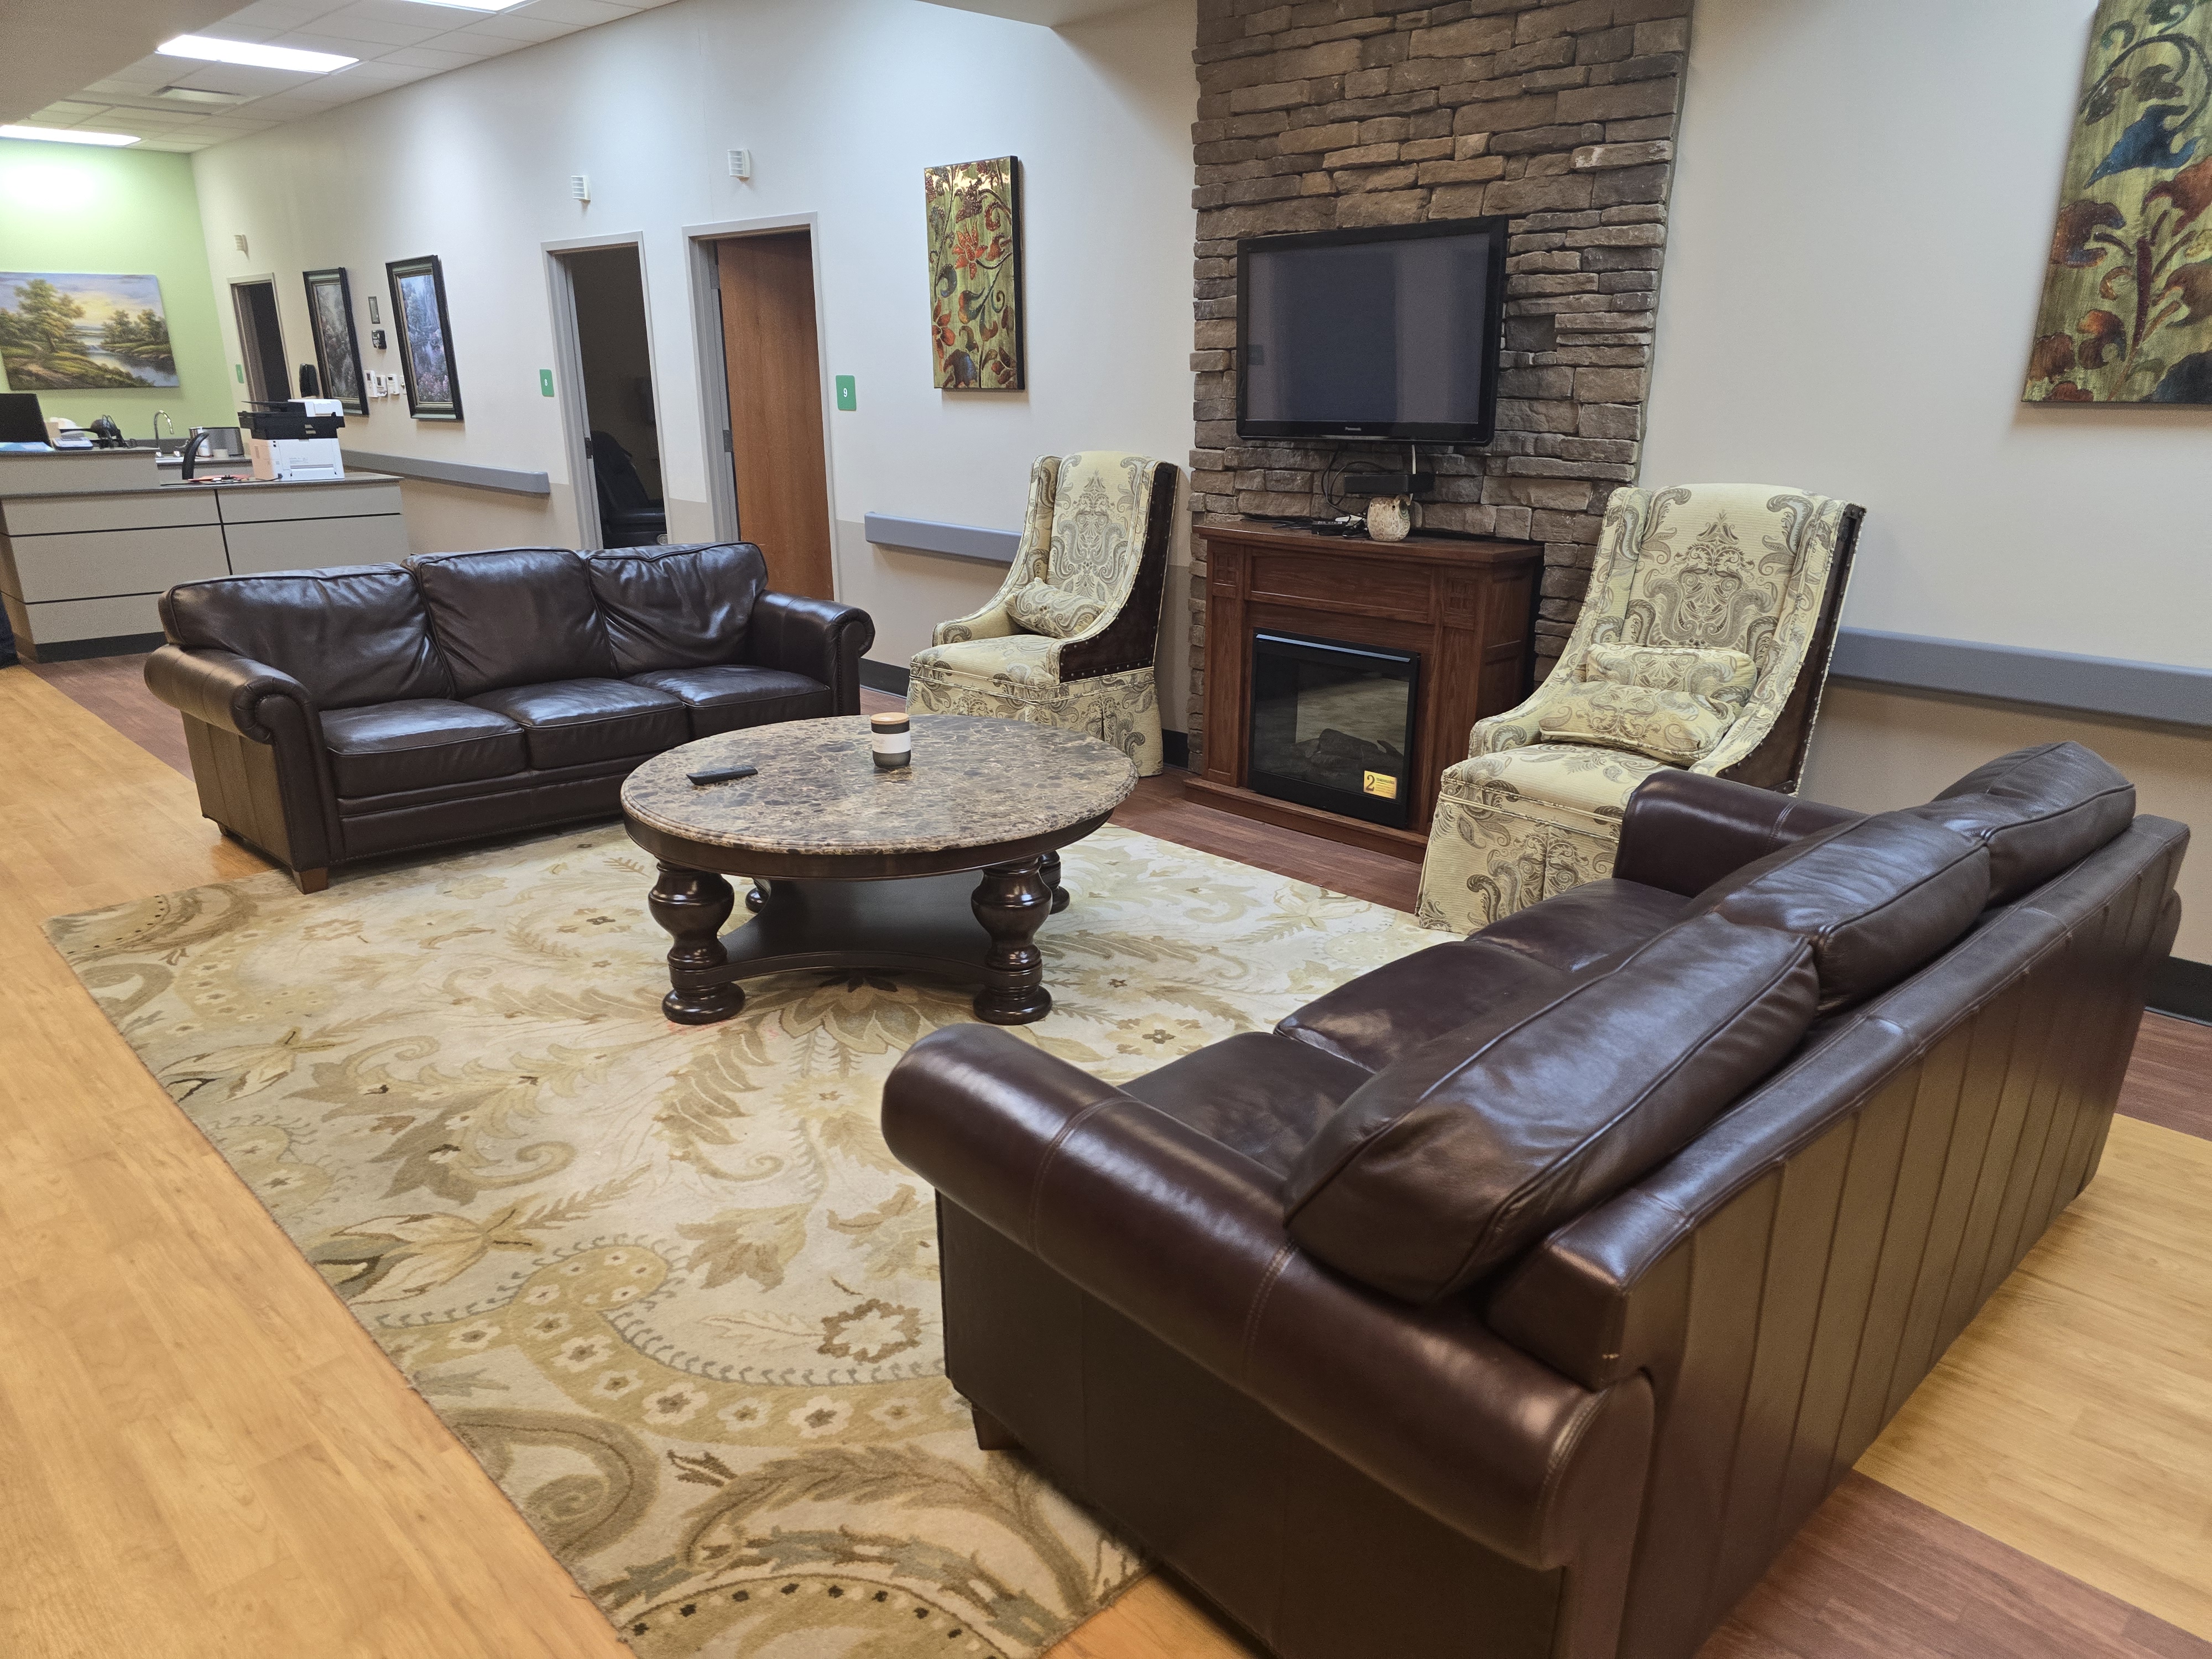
[334,716]
[1523,1297]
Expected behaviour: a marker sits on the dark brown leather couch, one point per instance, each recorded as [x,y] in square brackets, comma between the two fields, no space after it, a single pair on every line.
[334,716]
[1523,1297]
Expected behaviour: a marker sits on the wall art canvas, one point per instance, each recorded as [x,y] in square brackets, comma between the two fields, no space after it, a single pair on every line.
[2127,299]
[77,331]
[337,349]
[975,221]
[426,349]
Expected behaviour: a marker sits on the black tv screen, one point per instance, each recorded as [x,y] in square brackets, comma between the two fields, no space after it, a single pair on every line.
[1384,333]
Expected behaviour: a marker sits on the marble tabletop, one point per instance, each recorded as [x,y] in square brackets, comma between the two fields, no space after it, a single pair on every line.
[975,782]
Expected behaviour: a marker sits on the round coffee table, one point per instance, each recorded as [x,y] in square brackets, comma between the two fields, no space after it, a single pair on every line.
[857,867]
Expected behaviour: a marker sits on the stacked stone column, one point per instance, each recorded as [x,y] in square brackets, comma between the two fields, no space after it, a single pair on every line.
[1337,113]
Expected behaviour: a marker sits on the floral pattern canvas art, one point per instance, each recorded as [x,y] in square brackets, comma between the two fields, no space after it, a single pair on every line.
[975,229]
[2127,296]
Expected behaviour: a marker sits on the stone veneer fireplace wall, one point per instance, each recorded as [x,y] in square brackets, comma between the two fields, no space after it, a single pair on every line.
[1343,113]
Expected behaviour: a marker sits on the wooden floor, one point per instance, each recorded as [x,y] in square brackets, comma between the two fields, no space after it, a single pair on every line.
[202,1453]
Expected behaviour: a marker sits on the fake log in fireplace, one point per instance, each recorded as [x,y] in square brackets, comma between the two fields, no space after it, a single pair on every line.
[1341,670]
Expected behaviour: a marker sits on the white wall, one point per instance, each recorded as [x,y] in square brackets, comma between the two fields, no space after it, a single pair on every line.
[1862,209]
[843,102]
[1861,216]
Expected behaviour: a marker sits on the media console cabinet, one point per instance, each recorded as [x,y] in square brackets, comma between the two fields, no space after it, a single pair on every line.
[1465,607]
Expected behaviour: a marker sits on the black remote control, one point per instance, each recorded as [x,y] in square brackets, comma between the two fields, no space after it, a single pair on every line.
[724,774]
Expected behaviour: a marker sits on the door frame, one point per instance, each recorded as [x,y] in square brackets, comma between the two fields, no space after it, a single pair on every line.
[244,356]
[568,372]
[714,372]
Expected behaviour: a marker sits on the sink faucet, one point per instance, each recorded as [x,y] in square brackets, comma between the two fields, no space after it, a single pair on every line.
[160,419]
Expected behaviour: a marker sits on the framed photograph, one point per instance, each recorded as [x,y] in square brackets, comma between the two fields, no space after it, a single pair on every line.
[426,349]
[975,233]
[337,350]
[79,331]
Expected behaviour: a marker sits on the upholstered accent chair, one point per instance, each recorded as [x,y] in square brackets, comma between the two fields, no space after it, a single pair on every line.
[1703,644]
[1067,640]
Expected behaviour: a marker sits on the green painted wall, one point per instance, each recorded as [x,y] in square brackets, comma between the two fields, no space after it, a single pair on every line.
[121,212]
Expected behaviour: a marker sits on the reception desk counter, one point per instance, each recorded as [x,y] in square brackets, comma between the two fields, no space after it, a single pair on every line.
[89,541]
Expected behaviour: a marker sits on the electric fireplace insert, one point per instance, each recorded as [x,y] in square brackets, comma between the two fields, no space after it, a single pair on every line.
[1333,725]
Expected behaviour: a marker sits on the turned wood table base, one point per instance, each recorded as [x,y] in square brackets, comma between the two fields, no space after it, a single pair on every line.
[925,924]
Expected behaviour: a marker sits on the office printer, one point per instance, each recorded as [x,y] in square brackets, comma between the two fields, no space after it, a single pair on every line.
[296,440]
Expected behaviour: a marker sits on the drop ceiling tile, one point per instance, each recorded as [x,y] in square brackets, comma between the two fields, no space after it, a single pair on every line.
[146,72]
[582,14]
[517,28]
[430,57]
[68,113]
[373,31]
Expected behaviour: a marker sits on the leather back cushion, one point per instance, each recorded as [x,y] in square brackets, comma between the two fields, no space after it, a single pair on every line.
[1459,1157]
[514,616]
[352,635]
[1876,898]
[2039,810]
[678,607]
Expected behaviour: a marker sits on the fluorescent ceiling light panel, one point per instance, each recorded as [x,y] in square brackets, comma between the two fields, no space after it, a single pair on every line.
[210,50]
[68,135]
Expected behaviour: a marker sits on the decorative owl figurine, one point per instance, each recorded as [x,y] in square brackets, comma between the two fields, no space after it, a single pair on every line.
[1389,518]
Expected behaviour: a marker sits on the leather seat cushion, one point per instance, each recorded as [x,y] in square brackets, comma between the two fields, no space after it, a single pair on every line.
[2039,810]
[1572,930]
[678,607]
[419,743]
[735,696]
[1450,1163]
[1388,1011]
[1257,1093]
[574,722]
[514,616]
[1877,899]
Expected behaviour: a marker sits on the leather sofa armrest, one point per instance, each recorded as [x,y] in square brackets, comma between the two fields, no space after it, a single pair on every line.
[225,689]
[1683,831]
[1186,1236]
[817,638]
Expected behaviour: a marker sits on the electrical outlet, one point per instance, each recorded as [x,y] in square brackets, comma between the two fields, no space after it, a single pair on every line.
[376,338]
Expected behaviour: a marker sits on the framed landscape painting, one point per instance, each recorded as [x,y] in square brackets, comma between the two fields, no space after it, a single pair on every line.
[79,331]
[337,350]
[426,350]
[975,232]
[2127,296]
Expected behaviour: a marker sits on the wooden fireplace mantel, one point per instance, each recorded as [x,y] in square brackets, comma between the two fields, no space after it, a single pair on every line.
[1467,606]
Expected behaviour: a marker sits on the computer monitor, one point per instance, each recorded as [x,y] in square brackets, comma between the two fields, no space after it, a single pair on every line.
[21,423]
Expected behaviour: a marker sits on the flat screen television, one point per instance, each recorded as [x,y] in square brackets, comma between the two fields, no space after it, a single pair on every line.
[1390,332]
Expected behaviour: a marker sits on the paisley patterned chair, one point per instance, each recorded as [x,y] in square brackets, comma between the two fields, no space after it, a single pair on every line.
[1703,644]
[1069,639]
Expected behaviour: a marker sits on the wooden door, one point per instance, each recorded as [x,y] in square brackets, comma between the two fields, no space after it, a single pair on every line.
[774,370]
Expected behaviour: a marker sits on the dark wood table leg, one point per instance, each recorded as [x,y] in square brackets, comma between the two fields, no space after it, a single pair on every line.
[757,895]
[692,905]
[1048,867]
[1012,902]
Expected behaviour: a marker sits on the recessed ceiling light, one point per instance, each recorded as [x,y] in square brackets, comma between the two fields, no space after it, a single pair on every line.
[68,135]
[210,50]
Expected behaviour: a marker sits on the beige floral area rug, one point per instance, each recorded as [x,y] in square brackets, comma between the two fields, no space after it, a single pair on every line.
[667,1282]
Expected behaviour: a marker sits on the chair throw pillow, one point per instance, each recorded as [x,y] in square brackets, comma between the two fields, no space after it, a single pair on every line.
[1672,726]
[1042,608]
[1724,677]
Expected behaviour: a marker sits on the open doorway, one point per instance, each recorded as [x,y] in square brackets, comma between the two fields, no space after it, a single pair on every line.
[261,340]
[613,370]
[771,361]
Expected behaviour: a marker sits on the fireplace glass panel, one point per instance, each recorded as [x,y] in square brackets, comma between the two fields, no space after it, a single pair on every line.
[1333,725]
